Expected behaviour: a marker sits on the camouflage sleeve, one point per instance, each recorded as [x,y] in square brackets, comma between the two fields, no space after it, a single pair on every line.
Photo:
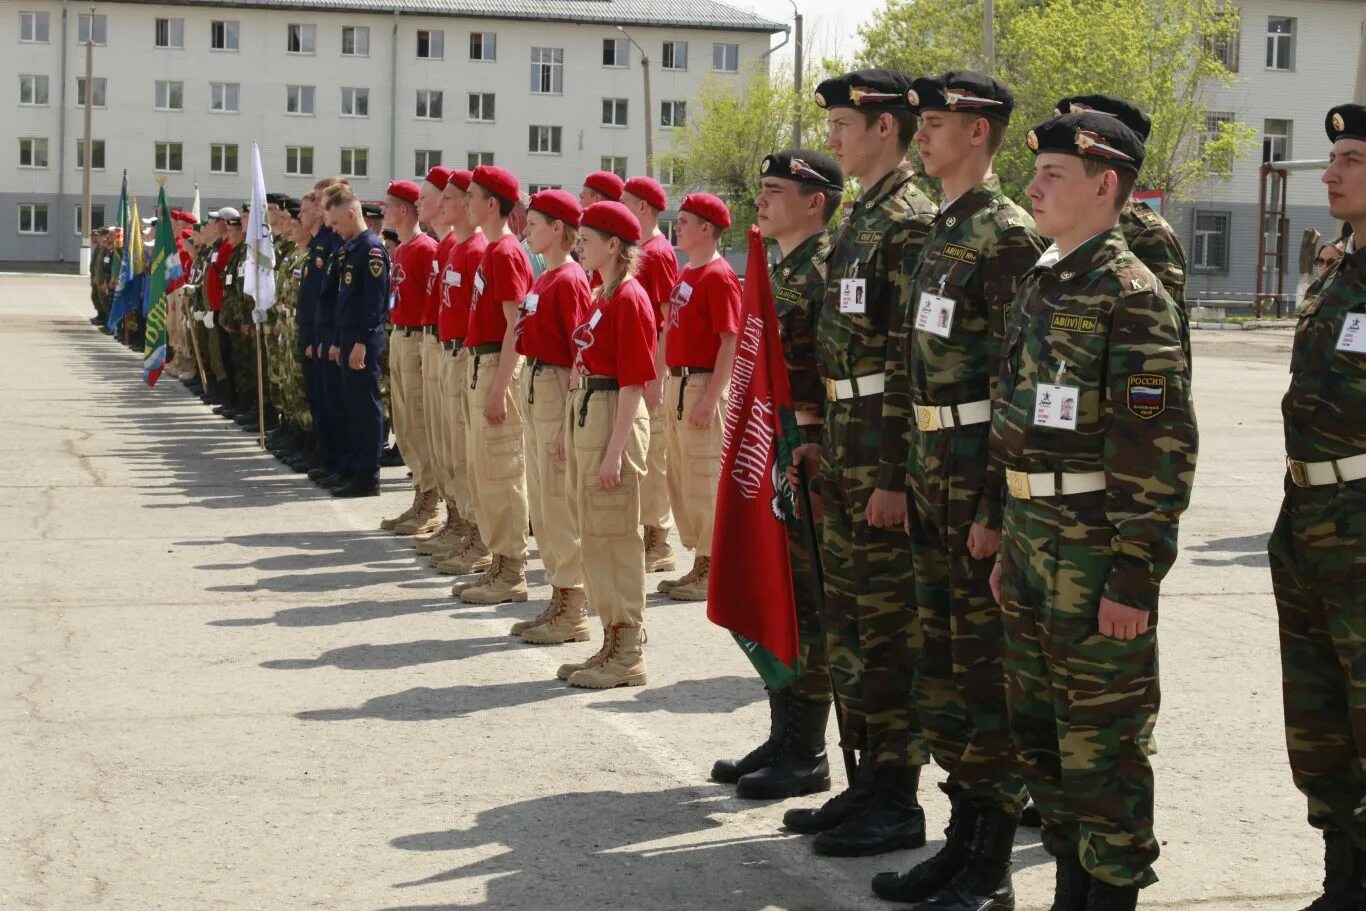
[1160,250]
[902,255]
[799,349]
[1150,444]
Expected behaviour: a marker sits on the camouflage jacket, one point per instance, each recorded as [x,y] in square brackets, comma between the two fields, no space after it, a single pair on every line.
[1098,321]
[977,251]
[1325,407]
[798,289]
[237,305]
[1155,243]
[288,271]
[97,267]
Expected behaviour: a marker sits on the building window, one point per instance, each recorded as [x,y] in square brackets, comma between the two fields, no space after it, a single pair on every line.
[483,46]
[33,28]
[725,58]
[670,173]
[1280,43]
[614,163]
[223,97]
[547,70]
[355,102]
[544,141]
[98,98]
[96,154]
[356,41]
[1276,140]
[1211,129]
[424,160]
[223,36]
[475,159]
[675,55]
[299,161]
[91,28]
[481,107]
[223,158]
[170,95]
[355,162]
[33,91]
[667,228]
[1209,252]
[614,112]
[431,44]
[96,216]
[170,33]
[428,104]
[615,52]
[32,152]
[673,113]
[302,39]
[535,188]
[299,99]
[32,218]
[168,157]
[1224,46]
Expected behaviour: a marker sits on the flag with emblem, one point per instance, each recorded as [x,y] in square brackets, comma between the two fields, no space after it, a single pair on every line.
[162,273]
[750,589]
[259,282]
[128,293]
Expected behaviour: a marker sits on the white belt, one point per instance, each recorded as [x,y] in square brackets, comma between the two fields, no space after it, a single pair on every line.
[1024,486]
[1333,471]
[858,387]
[942,417]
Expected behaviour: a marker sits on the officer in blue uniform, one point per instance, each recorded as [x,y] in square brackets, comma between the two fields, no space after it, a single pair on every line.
[331,381]
[313,346]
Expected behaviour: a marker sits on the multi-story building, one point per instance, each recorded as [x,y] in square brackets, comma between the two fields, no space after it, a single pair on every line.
[1293,60]
[370,89]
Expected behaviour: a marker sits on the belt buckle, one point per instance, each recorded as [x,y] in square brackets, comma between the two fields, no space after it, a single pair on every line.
[927,418]
[1299,472]
[830,390]
[1017,482]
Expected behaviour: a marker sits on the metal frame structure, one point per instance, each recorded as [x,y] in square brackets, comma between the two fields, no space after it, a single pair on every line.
[1275,175]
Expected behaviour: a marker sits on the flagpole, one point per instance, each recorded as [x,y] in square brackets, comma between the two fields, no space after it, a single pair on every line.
[260,388]
[194,344]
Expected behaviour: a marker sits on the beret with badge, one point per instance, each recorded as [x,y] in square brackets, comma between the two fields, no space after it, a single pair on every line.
[706,206]
[405,190]
[1089,135]
[878,90]
[499,182]
[804,166]
[1127,112]
[372,210]
[962,92]
[1346,121]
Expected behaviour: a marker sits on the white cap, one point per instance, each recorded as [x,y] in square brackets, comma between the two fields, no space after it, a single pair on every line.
[227,213]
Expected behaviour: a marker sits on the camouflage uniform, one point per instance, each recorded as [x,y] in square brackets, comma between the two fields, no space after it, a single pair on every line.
[287,382]
[1156,245]
[98,262]
[1096,321]
[1318,554]
[977,251]
[236,315]
[871,630]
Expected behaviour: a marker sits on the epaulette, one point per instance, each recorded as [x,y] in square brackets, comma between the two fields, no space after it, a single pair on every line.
[1006,215]
[1133,276]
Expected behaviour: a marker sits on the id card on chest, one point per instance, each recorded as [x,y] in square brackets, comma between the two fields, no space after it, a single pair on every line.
[1353,335]
[1055,406]
[935,314]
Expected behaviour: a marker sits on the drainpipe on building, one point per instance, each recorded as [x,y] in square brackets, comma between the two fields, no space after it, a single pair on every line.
[88,146]
[61,150]
[1360,97]
[393,102]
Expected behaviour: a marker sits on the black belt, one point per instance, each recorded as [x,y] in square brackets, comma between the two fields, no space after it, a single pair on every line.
[429,330]
[689,371]
[592,384]
[409,331]
[453,345]
[477,350]
[534,365]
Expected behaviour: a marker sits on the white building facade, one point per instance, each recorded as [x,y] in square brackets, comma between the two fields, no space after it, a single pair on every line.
[369,89]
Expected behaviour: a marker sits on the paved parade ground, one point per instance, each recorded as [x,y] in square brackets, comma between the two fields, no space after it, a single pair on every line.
[222,689]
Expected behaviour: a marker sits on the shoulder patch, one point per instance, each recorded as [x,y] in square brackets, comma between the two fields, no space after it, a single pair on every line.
[868,237]
[1070,322]
[961,253]
[376,267]
[788,294]
[1146,394]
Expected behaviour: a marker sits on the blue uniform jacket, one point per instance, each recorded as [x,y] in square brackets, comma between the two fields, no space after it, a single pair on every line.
[362,289]
[320,250]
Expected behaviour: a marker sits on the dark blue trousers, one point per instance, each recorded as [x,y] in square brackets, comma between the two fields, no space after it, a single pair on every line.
[364,428]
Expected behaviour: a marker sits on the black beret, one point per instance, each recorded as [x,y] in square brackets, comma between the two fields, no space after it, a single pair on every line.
[805,166]
[963,92]
[294,201]
[1090,135]
[389,234]
[876,89]
[372,210]
[1346,121]
[276,199]
[1128,113]
[293,207]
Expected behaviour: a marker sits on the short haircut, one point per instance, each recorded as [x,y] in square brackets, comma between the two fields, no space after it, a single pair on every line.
[996,134]
[1126,179]
[833,198]
[329,182]
[338,196]
[905,123]
[505,206]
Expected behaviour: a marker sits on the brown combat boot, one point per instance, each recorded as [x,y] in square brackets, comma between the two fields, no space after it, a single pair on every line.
[391,524]
[424,518]
[487,575]
[551,610]
[569,623]
[471,557]
[668,585]
[505,582]
[659,556]
[609,639]
[696,588]
[449,538]
[622,666]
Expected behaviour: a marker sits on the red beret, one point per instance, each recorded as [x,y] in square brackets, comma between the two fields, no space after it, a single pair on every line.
[612,218]
[705,205]
[557,204]
[439,177]
[606,183]
[182,215]
[187,233]
[648,190]
[461,179]
[498,181]
[405,190]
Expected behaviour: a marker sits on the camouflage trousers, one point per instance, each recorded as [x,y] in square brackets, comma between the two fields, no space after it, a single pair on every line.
[813,670]
[960,687]
[1078,701]
[286,374]
[1318,566]
[872,632]
[244,368]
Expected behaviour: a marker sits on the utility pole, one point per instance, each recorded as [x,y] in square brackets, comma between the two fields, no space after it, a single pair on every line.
[649,111]
[989,35]
[797,77]
[86,144]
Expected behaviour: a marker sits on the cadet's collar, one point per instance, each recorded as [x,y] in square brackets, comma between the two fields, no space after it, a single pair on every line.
[1090,256]
[890,183]
[804,251]
[972,200]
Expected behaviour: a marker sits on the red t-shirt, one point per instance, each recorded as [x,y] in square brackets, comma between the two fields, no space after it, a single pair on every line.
[457,283]
[617,338]
[657,272]
[213,279]
[555,306]
[504,275]
[435,292]
[412,268]
[705,302]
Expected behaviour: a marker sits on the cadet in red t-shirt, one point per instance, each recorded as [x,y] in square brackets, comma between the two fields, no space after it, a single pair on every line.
[494,433]
[657,272]
[605,442]
[701,326]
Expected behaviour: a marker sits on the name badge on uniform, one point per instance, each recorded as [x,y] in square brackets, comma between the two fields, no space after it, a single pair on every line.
[935,315]
[595,319]
[531,303]
[1056,406]
[436,267]
[451,278]
[479,282]
[393,299]
[1353,335]
[852,295]
[227,279]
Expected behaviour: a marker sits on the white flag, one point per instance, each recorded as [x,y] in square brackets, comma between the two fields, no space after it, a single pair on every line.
[194,209]
[259,281]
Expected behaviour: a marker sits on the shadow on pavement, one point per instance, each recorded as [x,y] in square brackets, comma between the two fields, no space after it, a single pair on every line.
[398,655]
[712,696]
[1244,551]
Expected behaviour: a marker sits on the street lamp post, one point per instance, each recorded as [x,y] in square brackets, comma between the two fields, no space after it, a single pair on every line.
[649,111]
[797,74]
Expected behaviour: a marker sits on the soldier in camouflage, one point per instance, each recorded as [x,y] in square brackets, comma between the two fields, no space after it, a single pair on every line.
[236,320]
[871,629]
[941,367]
[287,389]
[98,265]
[1095,433]
[1318,549]
[800,191]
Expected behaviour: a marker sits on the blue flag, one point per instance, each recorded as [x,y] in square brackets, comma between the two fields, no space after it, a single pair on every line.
[130,292]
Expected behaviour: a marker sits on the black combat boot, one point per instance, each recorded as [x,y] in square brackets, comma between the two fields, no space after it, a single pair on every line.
[929,876]
[729,771]
[800,766]
[983,884]
[391,457]
[838,808]
[1029,817]
[1344,874]
[1071,884]
[890,821]
[1105,897]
